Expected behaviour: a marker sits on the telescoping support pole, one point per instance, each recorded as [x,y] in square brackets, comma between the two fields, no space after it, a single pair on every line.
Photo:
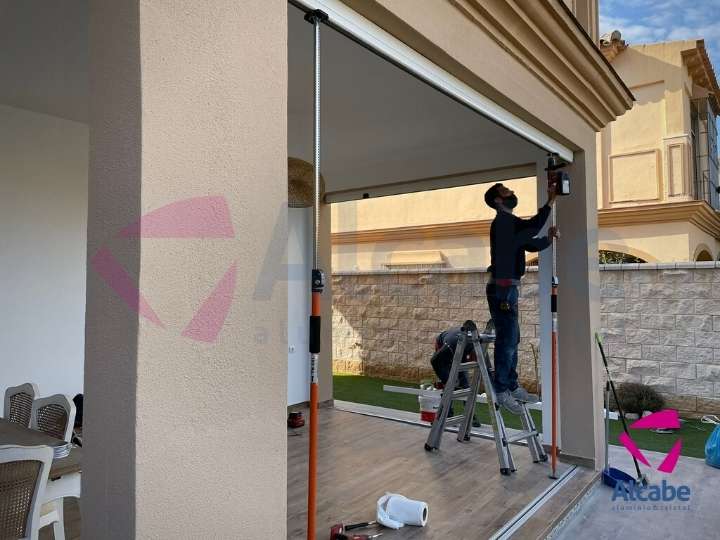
[316,18]
[559,181]
[554,362]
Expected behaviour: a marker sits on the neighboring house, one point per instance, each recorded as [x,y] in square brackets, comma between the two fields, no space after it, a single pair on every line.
[658,164]
[657,180]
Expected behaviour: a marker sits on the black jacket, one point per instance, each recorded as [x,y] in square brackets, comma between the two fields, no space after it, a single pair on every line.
[510,238]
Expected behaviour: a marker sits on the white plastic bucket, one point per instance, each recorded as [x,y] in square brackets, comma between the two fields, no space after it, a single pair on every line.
[428,406]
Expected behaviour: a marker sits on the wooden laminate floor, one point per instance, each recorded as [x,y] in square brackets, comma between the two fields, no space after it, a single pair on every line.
[361,458]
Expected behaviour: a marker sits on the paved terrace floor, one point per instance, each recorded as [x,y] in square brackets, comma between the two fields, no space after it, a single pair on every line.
[599,518]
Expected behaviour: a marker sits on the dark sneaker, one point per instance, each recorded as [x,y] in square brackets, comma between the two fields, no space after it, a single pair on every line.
[523,395]
[509,403]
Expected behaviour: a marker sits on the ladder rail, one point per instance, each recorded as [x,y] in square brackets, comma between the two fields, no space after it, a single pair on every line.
[438,426]
[469,411]
[496,420]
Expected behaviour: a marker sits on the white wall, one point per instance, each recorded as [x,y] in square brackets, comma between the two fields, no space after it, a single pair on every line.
[43,222]
[299,270]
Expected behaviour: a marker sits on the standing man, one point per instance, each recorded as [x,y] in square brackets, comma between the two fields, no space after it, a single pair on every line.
[510,238]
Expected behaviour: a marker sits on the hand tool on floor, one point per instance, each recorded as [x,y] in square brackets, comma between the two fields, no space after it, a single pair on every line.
[640,476]
[482,371]
[295,420]
[337,531]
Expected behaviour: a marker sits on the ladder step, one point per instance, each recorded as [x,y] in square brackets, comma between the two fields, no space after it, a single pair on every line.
[453,420]
[465,392]
[467,366]
[521,436]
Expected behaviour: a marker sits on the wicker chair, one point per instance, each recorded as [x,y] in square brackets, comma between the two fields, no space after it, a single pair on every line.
[54,415]
[23,476]
[18,403]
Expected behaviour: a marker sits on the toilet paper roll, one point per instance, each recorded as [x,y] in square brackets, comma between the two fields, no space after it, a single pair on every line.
[395,510]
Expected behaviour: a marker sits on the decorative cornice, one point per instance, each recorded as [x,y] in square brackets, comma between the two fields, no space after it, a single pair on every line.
[545,37]
[699,213]
[418,232]
[702,73]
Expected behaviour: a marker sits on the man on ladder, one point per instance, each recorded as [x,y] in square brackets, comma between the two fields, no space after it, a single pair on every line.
[510,238]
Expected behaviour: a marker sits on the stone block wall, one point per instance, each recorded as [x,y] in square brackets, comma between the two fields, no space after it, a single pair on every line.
[385,324]
[661,324]
[662,328]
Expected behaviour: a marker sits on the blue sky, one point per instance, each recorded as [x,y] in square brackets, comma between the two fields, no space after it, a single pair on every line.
[649,21]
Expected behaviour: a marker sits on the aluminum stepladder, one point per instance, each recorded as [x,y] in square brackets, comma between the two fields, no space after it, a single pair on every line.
[482,371]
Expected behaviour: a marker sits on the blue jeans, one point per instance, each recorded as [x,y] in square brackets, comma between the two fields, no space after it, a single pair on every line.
[503,303]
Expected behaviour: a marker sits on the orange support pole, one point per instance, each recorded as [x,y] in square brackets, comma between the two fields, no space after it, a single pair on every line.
[553,381]
[312,457]
[316,18]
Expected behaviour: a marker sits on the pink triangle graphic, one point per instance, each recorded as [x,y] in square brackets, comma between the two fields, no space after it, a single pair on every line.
[210,317]
[199,217]
[108,267]
[667,418]
[668,464]
[631,447]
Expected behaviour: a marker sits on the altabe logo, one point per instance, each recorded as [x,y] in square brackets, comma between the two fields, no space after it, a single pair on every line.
[630,496]
[195,218]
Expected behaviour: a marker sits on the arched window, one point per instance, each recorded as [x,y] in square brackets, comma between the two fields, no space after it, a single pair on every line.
[618,257]
[703,253]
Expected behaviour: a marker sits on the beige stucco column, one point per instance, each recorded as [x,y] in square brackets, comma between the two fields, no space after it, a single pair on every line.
[580,399]
[185,390]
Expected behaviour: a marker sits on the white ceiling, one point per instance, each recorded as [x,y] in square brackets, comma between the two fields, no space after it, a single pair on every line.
[44,56]
[381,125]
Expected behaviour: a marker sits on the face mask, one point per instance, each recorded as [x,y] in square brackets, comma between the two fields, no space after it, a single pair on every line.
[510,202]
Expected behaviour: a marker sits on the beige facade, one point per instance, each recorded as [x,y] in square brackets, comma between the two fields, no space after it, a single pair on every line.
[657,181]
[661,158]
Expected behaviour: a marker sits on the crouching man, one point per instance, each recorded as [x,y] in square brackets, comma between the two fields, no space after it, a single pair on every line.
[441,361]
[510,238]
[445,344]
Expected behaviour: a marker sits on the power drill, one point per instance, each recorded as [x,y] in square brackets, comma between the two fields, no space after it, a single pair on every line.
[556,177]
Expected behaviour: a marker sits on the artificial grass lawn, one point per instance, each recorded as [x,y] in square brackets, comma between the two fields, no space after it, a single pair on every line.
[369,390]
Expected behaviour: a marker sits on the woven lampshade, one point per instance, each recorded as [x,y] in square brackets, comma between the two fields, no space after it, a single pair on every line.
[301,183]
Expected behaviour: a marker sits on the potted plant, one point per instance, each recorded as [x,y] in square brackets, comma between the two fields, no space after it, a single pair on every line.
[637,400]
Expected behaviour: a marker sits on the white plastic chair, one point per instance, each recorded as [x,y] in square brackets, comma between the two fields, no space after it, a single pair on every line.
[54,415]
[18,403]
[24,473]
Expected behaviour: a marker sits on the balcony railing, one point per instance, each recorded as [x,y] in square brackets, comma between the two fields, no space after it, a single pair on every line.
[707,190]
